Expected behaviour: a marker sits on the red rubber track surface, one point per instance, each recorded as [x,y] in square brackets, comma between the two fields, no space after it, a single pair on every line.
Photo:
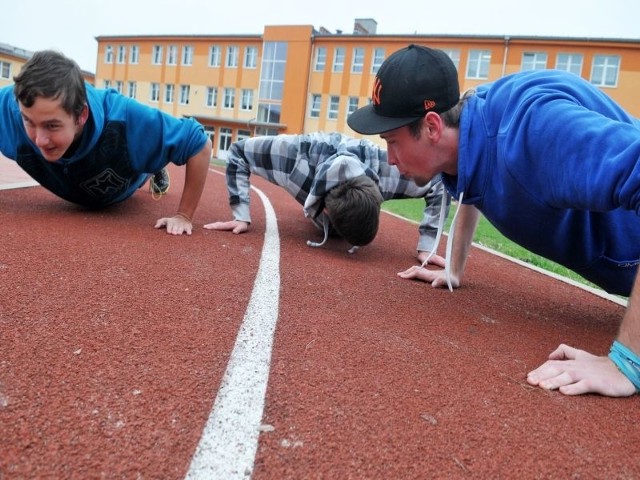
[114,338]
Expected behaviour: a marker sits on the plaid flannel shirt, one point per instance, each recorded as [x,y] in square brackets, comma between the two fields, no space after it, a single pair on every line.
[309,165]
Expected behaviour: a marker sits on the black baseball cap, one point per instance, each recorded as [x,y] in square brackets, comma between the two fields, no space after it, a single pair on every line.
[411,82]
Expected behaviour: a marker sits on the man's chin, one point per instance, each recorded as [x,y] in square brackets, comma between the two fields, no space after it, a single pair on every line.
[421,181]
[51,156]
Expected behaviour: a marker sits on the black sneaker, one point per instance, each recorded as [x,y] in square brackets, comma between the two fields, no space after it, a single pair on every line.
[159,182]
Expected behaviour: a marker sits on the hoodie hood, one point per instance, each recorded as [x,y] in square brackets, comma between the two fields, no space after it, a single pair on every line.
[331,173]
[94,126]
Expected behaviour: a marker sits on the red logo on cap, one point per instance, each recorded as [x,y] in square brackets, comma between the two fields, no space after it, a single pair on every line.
[377,88]
[429,104]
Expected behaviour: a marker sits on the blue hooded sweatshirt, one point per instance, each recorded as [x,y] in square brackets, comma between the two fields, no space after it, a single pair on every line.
[554,164]
[122,143]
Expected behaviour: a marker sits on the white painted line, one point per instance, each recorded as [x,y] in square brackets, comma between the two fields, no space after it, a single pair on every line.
[229,441]
[25,184]
[595,291]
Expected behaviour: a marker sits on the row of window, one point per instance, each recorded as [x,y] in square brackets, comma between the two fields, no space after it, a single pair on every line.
[211,94]
[225,137]
[169,55]
[357,59]
[604,73]
[333,106]
[604,69]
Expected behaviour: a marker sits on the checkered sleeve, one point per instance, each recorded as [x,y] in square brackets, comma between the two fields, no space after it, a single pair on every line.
[270,157]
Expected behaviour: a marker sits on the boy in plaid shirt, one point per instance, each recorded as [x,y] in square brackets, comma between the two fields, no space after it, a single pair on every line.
[326,172]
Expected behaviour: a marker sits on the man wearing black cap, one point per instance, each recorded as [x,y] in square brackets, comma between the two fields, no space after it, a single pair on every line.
[527,151]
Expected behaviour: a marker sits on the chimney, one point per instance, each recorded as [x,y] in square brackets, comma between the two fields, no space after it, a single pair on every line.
[365,26]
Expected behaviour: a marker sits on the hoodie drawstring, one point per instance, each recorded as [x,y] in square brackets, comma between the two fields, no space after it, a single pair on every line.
[325,226]
[447,264]
[452,229]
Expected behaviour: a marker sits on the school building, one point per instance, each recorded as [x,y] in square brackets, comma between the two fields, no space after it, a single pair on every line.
[296,78]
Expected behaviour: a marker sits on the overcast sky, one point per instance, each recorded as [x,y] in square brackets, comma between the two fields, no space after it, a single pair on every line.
[72,25]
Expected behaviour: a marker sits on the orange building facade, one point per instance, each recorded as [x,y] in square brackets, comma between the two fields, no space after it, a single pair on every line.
[295,79]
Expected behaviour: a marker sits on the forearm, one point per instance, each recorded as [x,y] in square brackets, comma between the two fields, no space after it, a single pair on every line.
[467,222]
[195,177]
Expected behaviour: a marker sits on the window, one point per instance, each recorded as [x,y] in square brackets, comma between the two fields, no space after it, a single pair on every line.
[154,94]
[604,71]
[246,102]
[533,61]
[225,139]
[378,58]
[334,106]
[454,55]
[479,62]
[134,55]
[250,57]
[156,56]
[570,62]
[273,67]
[338,60]
[108,54]
[321,59]
[272,132]
[211,97]
[314,111]
[168,93]
[172,55]
[122,54]
[119,86]
[184,94]
[352,106]
[214,56]
[106,84]
[232,57]
[5,70]
[242,134]
[229,98]
[357,63]
[187,55]
[132,89]
[211,133]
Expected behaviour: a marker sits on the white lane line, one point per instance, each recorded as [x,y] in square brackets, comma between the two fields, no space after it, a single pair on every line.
[229,441]
[595,291]
[14,185]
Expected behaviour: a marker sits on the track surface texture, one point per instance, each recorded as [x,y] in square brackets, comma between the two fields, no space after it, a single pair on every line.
[115,337]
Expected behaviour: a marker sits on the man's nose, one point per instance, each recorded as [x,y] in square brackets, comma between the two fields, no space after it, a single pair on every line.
[42,138]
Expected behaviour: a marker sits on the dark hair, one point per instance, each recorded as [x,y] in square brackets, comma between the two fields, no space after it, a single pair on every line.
[354,209]
[451,117]
[49,74]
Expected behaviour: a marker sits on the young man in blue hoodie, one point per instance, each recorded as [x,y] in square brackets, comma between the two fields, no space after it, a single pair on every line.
[550,160]
[96,147]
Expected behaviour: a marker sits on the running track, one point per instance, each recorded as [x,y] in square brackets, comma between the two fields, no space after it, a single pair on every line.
[126,353]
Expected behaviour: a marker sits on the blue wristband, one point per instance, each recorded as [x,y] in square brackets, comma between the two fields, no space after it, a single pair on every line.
[627,362]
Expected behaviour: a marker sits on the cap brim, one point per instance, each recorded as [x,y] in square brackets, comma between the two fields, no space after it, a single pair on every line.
[366,121]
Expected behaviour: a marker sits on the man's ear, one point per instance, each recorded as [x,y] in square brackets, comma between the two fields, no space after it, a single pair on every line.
[84,115]
[433,126]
